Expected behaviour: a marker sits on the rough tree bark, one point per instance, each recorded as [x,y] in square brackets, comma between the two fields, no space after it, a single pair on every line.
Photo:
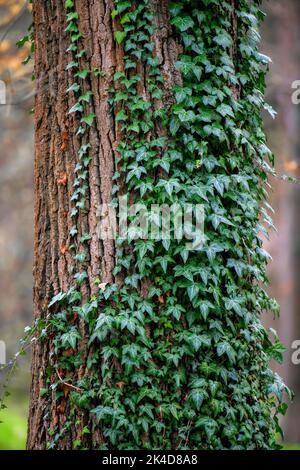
[55,159]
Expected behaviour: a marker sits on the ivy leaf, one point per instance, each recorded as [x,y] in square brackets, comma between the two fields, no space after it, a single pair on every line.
[173,410]
[72,65]
[186,116]
[85,237]
[57,298]
[225,348]
[134,127]
[185,65]
[73,295]
[225,110]
[205,307]
[147,409]
[196,342]
[169,185]
[164,261]
[263,58]
[72,28]
[86,97]
[83,149]
[212,250]
[197,71]
[119,75]
[44,392]
[174,125]
[135,170]
[123,5]
[88,119]
[69,4]
[75,87]
[102,412]
[216,220]
[120,36]
[70,338]
[235,305]
[192,291]
[76,108]
[121,116]
[125,19]
[72,48]
[72,16]
[80,131]
[208,424]
[238,266]
[22,41]
[114,13]
[224,39]
[80,54]
[270,110]
[128,323]
[82,74]
[276,351]
[73,231]
[181,93]
[165,166]
[175,311]
[80,277]
[183,23]
[282,409]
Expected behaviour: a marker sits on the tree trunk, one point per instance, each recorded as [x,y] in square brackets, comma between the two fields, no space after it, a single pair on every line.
[55,160]
[145,343]
[281,42]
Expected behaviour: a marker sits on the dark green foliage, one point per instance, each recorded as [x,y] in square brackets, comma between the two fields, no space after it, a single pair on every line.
[187,365]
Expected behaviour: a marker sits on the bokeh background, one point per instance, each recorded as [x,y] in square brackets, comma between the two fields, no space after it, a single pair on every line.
[280,41]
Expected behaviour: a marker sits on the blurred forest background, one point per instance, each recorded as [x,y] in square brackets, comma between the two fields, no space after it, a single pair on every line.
[280,41]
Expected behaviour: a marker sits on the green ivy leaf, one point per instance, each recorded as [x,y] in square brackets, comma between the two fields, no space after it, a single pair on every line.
[86,97]
[88,119]
[224,348]
[224,39]
[77,108]
[183,23]
[197,396]
[69,339]
[114,13]
[121,116]
[80,277]
[69,4]
[82,74]
[208,424]
[72,16]
[75,87]
[57,298]
[192,291]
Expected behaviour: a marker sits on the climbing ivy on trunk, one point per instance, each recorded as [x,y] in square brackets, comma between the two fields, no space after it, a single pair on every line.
[158,346]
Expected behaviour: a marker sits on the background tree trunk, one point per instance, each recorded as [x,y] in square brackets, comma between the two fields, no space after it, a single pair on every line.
[281,43]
